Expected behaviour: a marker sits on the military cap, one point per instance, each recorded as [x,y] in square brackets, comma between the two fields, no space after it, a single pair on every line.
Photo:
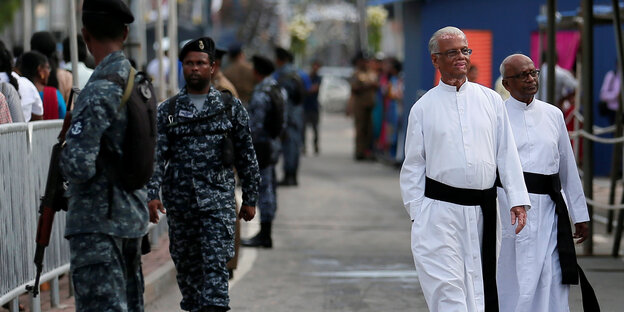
[283,54]
[116,9]
[262,65]
[220,52]
[203,44]
[235,49]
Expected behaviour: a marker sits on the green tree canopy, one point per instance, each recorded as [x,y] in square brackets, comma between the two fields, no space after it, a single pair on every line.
[7,11]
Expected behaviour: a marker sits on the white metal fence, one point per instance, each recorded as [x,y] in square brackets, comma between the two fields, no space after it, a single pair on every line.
[24,158]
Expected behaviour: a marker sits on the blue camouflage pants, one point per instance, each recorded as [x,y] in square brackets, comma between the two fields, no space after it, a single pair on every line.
[106,272]
[267,201]
[291,146]
[201,243]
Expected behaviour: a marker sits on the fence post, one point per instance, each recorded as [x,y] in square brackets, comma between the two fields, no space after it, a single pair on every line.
[55,299]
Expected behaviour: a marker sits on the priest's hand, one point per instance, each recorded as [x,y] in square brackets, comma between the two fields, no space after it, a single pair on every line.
[581,231]
[518,215]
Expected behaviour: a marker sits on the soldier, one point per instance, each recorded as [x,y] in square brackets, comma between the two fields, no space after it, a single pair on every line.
[288,78]
[219,81]
[240,73]
[203,135]
[105,223]
[259,106]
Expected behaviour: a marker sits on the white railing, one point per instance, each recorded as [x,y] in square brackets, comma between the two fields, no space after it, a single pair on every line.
[24,158]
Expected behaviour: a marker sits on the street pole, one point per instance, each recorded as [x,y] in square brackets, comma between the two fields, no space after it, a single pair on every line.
[162,88]
[73,41]
[551,52]
[617,149]
[587,39]
[362,25]
[173,46]
[27,11]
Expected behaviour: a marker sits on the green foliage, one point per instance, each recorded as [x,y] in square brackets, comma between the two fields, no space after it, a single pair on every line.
[8,8]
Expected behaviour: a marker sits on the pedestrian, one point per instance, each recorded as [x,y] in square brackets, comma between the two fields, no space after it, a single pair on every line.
[565,83]
[264,96]
[288,77]
[364,87]
[5,113]
[610,94]
[536,266]
[13,101]
[240,72]
[31,104]
[45,43]
[84,72]
[219,81]
[35,66]
[458,135]
[311,107]
[203,135]
[105,222]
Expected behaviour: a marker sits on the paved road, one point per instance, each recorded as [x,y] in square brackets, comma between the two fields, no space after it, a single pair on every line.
[341,243]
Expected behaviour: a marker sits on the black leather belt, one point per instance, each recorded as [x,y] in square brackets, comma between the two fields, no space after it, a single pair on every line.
[487,200]
[570,270]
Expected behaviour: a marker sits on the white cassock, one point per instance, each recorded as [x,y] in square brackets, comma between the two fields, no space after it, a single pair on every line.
[529,274]
[457,138]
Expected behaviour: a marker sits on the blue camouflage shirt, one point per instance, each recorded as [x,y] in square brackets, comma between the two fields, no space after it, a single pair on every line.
[259,105]
[97,115]
[188,162]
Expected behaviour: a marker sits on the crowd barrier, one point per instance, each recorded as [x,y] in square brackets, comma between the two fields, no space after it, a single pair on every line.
[24,158]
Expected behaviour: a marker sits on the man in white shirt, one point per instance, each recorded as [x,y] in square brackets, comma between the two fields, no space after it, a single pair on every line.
[457,136]
[537,265]
[565,83]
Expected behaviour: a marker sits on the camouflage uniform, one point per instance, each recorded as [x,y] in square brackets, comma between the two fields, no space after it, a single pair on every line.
[104,222]
[291,146]
[198,192]
[258,107]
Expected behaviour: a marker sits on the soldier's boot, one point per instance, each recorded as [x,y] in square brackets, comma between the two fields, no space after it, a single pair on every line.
[262,239]
[289,180]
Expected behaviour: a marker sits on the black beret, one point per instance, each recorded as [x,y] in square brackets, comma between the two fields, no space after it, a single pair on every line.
[116,9]
[203,44]
[234,49]
[262,65]
[220,52]
[283,54]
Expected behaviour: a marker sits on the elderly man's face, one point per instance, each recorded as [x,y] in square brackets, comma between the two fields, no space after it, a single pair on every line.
[521,78]
[454,67]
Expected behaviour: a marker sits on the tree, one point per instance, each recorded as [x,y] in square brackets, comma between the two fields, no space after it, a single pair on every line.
[7,12]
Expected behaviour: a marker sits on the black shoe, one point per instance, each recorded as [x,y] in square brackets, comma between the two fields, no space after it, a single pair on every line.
[289,180]
[262,239]
[258,241]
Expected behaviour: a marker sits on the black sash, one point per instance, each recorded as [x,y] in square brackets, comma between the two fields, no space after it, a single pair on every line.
[570,270]
[487,200]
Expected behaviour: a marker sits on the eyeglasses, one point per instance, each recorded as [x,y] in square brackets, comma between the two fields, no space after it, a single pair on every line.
[523,76]
[455,52]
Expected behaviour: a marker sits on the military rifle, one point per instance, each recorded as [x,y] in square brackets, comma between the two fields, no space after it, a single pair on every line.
[53,199]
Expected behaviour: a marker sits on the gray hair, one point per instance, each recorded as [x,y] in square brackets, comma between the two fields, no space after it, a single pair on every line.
[443,33]
[506,61]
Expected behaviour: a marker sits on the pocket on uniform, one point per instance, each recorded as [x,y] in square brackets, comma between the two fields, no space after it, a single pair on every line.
[89,249]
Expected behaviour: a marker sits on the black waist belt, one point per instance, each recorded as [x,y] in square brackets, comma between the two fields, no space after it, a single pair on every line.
[570,270]
[487,200]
